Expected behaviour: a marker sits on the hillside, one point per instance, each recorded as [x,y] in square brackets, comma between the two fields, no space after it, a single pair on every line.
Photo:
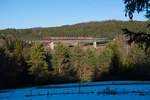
[95,29]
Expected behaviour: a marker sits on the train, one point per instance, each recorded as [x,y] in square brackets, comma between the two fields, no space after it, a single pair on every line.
[68,38]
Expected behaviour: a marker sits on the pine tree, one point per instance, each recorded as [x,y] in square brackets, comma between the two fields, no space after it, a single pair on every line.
[18,49]
[19,61]
[79,64]
[136,55]
[18,54]
[92,64]
[61,60]
[37,61]
[118,58]
[104,62]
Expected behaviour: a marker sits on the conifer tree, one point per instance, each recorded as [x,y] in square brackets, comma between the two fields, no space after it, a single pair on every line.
[19,61]
[104,62]
[118,60]
[61,59]
[80,65]
[92,63]
[37,61]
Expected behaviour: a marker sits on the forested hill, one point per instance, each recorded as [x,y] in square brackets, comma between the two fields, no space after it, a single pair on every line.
[95,29]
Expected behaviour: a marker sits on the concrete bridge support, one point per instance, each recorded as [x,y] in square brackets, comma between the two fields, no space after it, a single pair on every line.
[52,45]
[94,44]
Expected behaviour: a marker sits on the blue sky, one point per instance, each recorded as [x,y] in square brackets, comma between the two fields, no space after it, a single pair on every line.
[49,13]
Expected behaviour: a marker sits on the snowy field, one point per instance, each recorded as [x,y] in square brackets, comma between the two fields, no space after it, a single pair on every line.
[111,90]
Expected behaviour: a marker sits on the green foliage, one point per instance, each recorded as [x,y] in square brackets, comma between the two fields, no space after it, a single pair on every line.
[76,64]
[8,69]
[117,48]
[105,59]
[112,61]
[4,63]
[61,59]
[18,50]
[137,5]
[140,38]
[79,64]
[37,61]
[107,29]
[92,63]
[137,55]
[113,49]
[138,64]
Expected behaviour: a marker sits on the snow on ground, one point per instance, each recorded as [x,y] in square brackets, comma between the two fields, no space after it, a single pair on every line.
[111,90]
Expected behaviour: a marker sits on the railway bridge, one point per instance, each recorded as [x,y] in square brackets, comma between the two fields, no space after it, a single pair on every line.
[72,41]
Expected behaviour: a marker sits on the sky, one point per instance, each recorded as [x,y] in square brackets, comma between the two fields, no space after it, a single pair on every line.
[22,14]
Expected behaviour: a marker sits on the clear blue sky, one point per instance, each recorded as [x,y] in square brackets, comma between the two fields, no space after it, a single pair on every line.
[49,13]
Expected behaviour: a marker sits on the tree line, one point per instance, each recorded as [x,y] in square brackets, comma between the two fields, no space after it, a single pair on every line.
[104,29]
[23,64]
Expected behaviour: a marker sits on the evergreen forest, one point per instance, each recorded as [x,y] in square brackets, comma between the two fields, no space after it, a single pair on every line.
[24,64]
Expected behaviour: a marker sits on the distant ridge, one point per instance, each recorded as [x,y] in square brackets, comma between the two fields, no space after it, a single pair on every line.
[92,29]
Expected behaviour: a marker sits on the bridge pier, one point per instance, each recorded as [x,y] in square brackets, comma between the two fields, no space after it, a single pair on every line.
[52,45]
[95,44]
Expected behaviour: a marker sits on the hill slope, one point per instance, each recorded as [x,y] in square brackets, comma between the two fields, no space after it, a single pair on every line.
[95,29]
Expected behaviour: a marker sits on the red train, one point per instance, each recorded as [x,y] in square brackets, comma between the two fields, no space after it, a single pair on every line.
[68,38]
